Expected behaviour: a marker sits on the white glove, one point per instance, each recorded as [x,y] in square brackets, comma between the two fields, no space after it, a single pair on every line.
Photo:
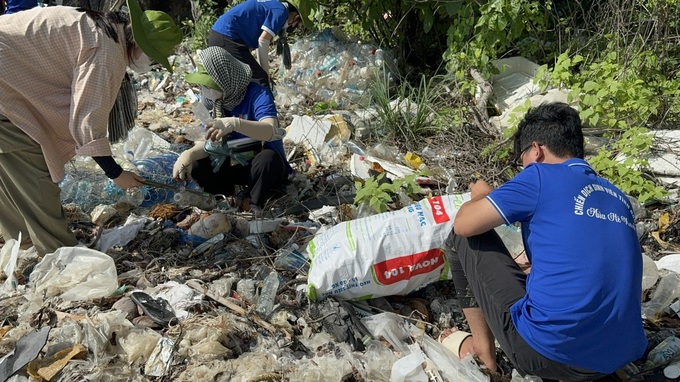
[263,51]
[221,127]
[182,169]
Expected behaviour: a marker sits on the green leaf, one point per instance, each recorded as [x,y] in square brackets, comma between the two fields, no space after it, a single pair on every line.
[594,119]
[590,86]
[428,19]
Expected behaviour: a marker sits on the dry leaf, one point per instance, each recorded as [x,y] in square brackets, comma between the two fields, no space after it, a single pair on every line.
[664,221]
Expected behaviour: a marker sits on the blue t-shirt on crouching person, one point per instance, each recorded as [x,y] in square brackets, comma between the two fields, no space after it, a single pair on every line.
[582,306]
[246,21]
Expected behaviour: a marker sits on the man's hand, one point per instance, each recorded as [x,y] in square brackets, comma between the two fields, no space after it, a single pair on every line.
[480,189]
[477,215]
[220,127]
[128,179]
[182,169]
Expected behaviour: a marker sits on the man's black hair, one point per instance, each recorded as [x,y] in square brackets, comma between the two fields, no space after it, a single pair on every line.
[555,125]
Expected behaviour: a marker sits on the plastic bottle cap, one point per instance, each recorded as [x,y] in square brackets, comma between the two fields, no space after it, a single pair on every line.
[672,371]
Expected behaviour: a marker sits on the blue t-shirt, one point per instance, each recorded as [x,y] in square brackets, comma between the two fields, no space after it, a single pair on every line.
[247,20]
[582,306]
[14,6]
[257,105]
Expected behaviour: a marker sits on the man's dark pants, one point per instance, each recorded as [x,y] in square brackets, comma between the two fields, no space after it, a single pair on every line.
[486,276]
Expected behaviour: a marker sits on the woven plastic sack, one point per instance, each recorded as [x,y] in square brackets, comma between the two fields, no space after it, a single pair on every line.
[392,253]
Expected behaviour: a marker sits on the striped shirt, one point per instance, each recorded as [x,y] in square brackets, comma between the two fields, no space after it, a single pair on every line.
[59,77]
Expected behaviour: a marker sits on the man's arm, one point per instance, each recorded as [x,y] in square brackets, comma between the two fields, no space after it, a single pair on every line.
[477,215]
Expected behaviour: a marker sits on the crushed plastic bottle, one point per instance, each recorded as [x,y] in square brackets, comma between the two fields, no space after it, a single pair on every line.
[265,303]
[292,260]
[204,201]
[667,291]
[512,238]
[630,373]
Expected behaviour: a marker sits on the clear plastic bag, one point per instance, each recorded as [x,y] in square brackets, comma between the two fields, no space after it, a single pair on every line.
[75,274]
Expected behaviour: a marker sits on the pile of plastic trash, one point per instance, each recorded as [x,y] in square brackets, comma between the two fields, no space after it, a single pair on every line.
[166,289]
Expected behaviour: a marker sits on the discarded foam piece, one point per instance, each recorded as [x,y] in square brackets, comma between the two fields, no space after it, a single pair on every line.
[310,132]
[514,83]
[665,161]
[516,111]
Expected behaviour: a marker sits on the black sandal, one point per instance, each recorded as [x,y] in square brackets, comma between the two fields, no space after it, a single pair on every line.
[158,310]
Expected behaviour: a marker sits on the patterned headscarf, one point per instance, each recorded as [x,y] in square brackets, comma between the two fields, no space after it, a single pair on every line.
[230,74]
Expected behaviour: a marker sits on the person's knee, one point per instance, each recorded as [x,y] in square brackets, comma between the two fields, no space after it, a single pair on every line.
[459,243]
[267,162]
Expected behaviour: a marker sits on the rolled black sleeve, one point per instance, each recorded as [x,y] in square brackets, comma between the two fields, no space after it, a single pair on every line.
[109,165]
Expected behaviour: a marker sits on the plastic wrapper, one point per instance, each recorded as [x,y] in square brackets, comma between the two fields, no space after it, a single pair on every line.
[75,274]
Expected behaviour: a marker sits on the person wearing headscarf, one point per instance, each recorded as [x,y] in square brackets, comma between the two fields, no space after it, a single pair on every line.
[62,69]
[243,143]
[253,24]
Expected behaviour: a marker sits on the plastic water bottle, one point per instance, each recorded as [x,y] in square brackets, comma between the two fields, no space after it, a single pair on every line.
[198,130]
[663,353]
[159,169]
[265,303]
[667,291]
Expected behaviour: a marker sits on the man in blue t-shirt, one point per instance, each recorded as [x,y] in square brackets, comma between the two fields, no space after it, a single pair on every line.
[252,25]
[576,316]
[244,113]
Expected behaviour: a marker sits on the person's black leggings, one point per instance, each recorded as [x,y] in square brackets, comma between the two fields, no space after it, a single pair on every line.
[265,176]
[486,276]
[242,53]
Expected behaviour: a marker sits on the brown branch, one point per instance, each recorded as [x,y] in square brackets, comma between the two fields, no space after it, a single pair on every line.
[195,285]
[482,116]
